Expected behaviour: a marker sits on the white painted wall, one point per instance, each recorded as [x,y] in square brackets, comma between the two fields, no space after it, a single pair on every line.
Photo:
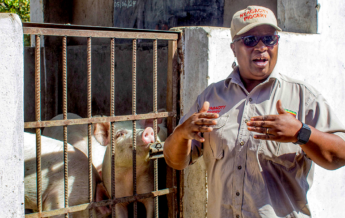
[314,58]
[11,117]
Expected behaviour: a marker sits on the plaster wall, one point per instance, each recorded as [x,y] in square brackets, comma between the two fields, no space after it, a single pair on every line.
[93,13]
[313,58]
[11,116]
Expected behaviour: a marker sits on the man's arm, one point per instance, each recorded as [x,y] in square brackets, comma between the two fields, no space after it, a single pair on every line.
[325,149]
[177,146]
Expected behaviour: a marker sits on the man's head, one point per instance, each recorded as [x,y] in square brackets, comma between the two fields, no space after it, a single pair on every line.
[255,44]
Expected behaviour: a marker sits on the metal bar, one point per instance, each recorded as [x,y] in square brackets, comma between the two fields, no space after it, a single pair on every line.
[89,116]
[155,157]
[38,118]
[112,113]
[134,111]
[109,202]
[130,199]
[70,122]
[64,111]
[99,34]
[85,27]
[155,110]
[59,211]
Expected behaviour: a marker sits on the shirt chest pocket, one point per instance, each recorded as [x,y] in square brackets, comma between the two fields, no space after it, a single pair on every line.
[284,154]
[215,138]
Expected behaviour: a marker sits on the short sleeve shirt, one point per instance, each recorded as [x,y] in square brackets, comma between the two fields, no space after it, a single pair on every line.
[248,177]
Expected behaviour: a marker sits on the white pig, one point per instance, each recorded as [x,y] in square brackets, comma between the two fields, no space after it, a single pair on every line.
[52,169]
[77,136]
[123,166]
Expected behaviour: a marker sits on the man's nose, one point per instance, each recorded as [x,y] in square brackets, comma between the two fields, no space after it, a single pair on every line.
[261,46]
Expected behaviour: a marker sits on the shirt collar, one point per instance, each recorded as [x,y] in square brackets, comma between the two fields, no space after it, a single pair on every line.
[234,77]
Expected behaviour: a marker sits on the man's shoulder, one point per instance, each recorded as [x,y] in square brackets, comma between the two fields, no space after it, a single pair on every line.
[291,82]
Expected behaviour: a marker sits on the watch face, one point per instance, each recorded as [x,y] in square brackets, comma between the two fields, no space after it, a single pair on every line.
[304,134]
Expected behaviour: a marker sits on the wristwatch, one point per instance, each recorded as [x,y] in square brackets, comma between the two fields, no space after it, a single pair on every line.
[303,135]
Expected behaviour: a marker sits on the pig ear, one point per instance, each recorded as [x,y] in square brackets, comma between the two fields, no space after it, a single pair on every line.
[101,133]
[102,194]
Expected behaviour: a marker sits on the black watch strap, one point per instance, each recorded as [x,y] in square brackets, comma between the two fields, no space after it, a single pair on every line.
[303,135]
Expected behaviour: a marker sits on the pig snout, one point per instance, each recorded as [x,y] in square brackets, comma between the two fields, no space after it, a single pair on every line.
[148,136]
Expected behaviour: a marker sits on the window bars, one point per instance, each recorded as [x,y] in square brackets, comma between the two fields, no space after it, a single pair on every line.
[113,33]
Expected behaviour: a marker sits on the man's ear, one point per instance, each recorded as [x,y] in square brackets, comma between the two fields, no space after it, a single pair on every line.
[232,46]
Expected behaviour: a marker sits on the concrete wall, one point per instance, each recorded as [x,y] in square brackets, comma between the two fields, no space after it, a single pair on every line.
[11,116]
[93,12]
[314,58]
[232,6]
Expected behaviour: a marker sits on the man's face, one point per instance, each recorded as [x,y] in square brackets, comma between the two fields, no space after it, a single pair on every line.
[258,62]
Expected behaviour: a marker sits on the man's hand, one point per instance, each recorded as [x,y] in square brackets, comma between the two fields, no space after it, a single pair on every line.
[281,128]
[197,123]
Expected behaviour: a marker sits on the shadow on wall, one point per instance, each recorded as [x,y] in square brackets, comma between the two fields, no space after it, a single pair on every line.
[51,76]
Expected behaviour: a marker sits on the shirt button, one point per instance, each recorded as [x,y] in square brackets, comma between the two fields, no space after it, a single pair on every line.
[246,121]
[239,167]
[237,216]
[237,193]
[250,99]
[242,143]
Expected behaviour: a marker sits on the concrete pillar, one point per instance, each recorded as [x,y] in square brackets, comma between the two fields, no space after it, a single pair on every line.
[11,117]
[206,57]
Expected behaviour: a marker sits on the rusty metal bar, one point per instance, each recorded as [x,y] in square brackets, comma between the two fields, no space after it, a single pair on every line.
[70,122]
[155,110]
[102,203]
[112,113]
[130,199]
[98,34]
[89,116]
[134,112]
[38,118]
[64,111]
[156,157]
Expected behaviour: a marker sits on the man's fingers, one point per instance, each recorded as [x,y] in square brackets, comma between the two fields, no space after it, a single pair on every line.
[208,115]
[266,137]
[204,121]
[264,118]
[260,123]
[197,136]
[205,107]
[262,130]
[280,108]
[198,128]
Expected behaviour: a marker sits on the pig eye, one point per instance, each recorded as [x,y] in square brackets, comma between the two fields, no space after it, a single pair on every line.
[120,133]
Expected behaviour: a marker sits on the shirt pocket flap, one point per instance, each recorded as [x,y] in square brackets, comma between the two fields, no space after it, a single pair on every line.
[221,121]
[215,137]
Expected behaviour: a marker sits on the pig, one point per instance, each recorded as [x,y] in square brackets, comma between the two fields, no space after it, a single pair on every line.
[52,169]
[123,165]
[161,126]
[77,136]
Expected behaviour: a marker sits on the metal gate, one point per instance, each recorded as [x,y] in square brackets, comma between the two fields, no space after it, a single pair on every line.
[65,31]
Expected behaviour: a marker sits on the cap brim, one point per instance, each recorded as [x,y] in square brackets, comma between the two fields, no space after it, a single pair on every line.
[251,26]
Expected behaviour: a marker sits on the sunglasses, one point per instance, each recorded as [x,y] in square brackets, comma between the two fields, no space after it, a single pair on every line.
[252,41]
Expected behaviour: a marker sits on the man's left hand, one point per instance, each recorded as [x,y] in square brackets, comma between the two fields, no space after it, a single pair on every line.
[283,127]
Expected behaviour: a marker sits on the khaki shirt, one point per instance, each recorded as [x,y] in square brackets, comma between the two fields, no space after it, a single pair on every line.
[248,177]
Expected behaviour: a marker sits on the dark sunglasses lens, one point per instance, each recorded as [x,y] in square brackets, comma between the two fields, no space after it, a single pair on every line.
[250,41]
[270,40]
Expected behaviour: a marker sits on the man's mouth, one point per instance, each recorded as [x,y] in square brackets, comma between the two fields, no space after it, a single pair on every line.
[260,62]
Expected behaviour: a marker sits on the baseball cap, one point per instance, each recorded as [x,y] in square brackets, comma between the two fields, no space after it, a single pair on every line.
[253,16]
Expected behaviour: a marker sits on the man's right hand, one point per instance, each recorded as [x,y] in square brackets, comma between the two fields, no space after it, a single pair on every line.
[197,123]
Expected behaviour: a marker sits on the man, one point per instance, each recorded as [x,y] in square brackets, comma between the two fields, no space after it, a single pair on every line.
[269,130]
